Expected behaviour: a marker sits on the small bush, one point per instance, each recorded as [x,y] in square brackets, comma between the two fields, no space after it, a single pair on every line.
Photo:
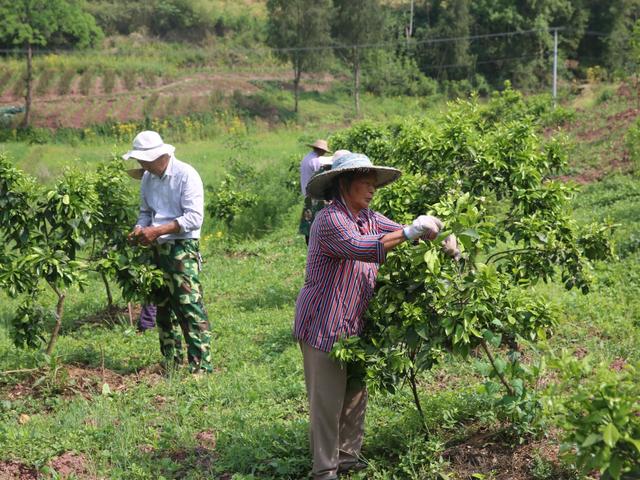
[606,95]
[108,81]
[150,104]
[19,85]
[5,78]
[129,78]
[64,83]
[44,81]
[601,419]
[150,79]
[86,82]
[632,143]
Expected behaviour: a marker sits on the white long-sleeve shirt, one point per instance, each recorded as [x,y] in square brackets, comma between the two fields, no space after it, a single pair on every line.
[177,195]
[310,164]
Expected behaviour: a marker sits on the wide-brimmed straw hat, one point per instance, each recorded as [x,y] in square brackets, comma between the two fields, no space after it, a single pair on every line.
[319,187]
[320,145]
[147,146]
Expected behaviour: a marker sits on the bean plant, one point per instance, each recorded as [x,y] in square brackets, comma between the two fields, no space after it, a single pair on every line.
[489,175]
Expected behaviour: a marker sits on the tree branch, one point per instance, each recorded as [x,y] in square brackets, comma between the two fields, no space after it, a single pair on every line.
[514,250]
[509,388]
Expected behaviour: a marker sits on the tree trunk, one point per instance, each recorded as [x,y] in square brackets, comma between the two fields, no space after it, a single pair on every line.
[296,88]
[56,327]
[108,289]
[416,399]
[356,81]
[29,83]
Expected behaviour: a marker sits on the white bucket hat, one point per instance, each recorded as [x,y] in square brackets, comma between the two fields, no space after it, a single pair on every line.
[329,159]
[147,146]
[319,186]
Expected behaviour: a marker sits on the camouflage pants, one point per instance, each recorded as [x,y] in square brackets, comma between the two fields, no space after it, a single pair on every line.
[180,303]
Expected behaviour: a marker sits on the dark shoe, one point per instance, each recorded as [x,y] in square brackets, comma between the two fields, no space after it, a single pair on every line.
[352,467]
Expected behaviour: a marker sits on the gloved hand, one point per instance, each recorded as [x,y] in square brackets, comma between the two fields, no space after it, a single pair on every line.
[450,247]
[423,226]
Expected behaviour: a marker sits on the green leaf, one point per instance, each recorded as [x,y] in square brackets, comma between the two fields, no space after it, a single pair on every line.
[432,261]
[610,434]
[106,390]
[470,233]
[634,442]
[500,365]
[592,439]
[494,339]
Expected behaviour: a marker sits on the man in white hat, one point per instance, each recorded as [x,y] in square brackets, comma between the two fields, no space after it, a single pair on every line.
[170,219]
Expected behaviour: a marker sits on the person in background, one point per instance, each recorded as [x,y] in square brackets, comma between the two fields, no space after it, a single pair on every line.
[314,162]
[347,243]
[170,219]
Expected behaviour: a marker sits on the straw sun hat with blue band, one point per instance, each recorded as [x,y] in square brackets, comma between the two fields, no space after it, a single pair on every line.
[319,187]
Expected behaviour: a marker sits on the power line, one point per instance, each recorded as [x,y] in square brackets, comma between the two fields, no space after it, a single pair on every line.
[396,43]
[481,62]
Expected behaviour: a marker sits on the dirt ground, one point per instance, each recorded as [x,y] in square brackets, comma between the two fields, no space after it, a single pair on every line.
[189,94]
[485,453]
[69,465]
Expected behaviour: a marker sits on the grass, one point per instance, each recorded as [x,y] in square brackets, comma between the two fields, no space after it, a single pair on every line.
[249,418]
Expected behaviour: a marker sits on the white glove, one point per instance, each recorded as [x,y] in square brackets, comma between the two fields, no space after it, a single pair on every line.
[423,226]
[450,247]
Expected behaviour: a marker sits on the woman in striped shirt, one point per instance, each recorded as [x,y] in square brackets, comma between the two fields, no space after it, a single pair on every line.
[347,244]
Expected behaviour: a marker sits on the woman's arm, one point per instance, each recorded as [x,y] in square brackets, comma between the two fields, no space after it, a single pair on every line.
[392,240]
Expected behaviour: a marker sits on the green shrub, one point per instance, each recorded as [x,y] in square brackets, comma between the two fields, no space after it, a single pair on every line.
[86,82]
[601,419]
[64,83]
[5,79]
[108,80]
[129,78]
[19,85]
[632,143]
[150,104]
[606,95]
[386,73]
[45,78]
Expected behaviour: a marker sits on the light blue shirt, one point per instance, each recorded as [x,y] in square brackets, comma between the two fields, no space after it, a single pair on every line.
[177,195]
[310,164]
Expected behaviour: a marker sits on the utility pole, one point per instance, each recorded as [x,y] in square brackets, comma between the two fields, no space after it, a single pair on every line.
[555,65]
[409,29]
[411,20]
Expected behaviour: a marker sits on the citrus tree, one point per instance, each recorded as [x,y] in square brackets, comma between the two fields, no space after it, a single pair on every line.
[44,230]
[488,174]
[45,234]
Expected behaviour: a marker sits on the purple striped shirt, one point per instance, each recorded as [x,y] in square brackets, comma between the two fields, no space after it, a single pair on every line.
[342,264]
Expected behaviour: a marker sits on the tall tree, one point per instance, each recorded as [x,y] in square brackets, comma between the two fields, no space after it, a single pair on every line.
[452,59]
[298,29]
[30,23]
[357,23]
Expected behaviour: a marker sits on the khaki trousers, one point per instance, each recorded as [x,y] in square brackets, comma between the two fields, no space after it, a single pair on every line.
[336,413]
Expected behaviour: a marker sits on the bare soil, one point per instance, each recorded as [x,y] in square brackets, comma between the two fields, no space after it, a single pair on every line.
[13,470]
[485,453]
[76,110]
[72,380]
[69,465]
